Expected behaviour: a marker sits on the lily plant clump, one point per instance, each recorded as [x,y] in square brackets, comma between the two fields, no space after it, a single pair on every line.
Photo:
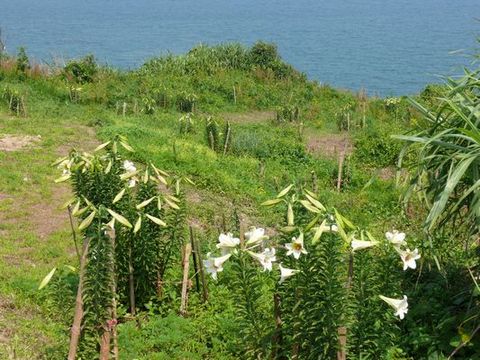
[310,271]
[130,220]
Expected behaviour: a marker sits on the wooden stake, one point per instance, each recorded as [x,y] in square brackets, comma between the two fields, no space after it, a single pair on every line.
[124,109]
[131,283]
[234,95]
[341,159]
[186,265]
[135,107]
[195,264]
[105,345]
[342,342]
[78,315]
[227,138]
[202,273]
[314,182]
[113,323]
[278,338]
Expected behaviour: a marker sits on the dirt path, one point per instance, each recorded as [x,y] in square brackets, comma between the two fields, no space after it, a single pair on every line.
[249,117]
[35,233]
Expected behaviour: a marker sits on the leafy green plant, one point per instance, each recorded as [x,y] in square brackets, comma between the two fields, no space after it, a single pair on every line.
[23,63]
[288,113]
[446,170]
[15,101]
[81,71]
[126,259]
[319,301]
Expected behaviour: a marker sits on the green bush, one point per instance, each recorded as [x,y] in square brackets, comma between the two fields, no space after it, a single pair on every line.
[375,147]
[263,54]
[23,63]
[81,71]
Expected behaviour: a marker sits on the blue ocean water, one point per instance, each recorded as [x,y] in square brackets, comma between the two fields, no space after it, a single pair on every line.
[388,47]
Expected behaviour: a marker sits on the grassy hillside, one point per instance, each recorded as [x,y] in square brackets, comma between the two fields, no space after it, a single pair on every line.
[283,129]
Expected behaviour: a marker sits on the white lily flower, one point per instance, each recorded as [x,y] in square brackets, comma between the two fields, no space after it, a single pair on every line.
[214,265]
[226,242]
[255,236]
[400,305]
[296,248]
[129,166]
[132,183]
[361,244]
[409,257]
[266,258]
[333,228]
[396,238]
[285,273]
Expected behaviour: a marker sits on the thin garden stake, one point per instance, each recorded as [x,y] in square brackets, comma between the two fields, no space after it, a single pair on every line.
[195,264]
[78,315]
[342,342]
[341,159]
[113,323]
[278,338]
[105,345]
[227,138]
[186,265]
[202,273]
[131,283]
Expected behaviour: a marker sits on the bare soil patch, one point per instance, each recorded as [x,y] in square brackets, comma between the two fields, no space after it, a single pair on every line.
[387,173]
[17,142]
[86,142]
[249,117]
[330,145]
[46,217]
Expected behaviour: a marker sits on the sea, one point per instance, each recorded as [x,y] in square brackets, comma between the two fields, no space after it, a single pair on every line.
[387,47]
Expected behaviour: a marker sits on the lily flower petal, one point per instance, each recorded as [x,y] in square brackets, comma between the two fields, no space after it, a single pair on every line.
[400,305]
[255,236]
[296,247]
[361,244]
[214,265]
[396,238]
[226,242]
[285,273]
[129,166]
[266,258]
[409,258]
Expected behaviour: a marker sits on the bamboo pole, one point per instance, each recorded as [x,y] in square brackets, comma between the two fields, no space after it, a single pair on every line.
[105,345]
[186,265]
[78,315]
[113,323]
[342,342]
[227,138]
[278,338]
[131,283]
[195,264]
[341,159]
[202,273]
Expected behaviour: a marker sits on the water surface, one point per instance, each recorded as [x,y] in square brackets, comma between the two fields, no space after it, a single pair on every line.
[389,47]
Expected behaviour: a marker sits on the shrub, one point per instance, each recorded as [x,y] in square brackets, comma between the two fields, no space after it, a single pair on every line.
[263,54]
[81,71]
[375,147]
[23,63]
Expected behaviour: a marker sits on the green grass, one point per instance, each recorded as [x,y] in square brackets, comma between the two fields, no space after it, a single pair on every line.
[264,158]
